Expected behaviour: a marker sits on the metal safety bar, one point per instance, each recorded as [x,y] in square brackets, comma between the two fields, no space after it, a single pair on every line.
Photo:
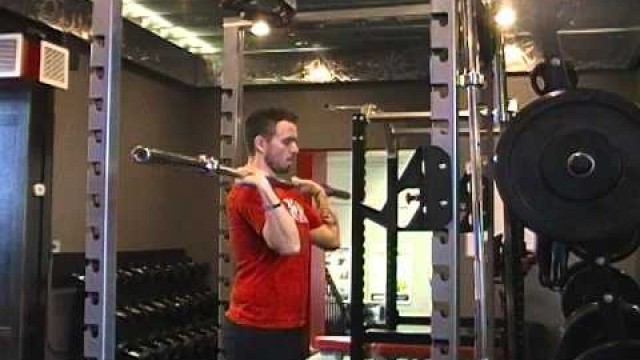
[483,290]
[375,114]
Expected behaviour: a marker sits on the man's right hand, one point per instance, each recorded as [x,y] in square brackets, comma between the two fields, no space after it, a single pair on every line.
[252,176]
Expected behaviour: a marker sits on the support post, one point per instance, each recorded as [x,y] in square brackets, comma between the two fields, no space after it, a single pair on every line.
[102,173]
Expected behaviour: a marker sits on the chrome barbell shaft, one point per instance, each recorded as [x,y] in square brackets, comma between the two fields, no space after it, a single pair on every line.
[210,165]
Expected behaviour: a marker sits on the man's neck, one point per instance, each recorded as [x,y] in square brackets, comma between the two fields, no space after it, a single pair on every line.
[257,161]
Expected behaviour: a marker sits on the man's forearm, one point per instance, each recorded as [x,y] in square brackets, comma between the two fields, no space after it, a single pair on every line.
[280,229]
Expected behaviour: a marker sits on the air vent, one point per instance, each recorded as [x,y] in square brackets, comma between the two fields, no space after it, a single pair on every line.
[11,47]
[54,65]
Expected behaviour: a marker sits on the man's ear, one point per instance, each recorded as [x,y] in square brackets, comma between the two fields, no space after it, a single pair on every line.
[260,143]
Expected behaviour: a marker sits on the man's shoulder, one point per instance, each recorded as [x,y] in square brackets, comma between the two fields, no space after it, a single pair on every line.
[242,192]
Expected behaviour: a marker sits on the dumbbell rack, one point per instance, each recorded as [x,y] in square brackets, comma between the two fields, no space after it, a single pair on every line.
[165,308]
[165,311]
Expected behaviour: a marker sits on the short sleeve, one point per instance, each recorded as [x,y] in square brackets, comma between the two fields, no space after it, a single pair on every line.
[246,204]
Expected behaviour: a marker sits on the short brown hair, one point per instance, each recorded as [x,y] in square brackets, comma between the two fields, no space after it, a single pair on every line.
[263,122]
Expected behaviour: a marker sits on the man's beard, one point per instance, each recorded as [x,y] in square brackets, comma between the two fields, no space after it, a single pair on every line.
[277,169]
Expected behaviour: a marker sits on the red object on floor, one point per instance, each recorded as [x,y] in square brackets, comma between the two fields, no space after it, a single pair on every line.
[392,351]
[326,343]
[341,344]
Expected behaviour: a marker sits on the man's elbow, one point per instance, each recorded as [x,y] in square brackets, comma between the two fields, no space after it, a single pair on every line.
[336,244]
[332,244]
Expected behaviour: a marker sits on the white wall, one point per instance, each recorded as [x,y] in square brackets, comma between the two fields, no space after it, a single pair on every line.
[414,248]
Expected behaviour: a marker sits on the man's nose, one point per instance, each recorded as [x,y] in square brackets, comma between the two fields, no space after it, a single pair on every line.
[294,148]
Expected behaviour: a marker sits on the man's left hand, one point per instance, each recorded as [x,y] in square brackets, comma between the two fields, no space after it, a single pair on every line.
[307,186]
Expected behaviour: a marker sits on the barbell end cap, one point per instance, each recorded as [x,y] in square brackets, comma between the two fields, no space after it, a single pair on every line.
[140,154]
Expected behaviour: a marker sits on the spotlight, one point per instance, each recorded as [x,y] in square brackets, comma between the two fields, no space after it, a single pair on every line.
[506,17]
[260,28]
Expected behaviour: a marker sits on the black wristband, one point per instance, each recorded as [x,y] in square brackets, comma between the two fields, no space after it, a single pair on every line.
[274,206]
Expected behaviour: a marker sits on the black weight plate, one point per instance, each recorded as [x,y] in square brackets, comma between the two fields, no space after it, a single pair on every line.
[613,249]
[573,269]
[569,165]
[590,283]
[617,350]
[586,329]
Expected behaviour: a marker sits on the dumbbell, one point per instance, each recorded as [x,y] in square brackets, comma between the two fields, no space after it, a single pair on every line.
[206,342]
[128,352]
[186,345]
[206,303]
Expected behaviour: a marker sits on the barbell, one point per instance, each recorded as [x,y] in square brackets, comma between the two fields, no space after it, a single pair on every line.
[209,165]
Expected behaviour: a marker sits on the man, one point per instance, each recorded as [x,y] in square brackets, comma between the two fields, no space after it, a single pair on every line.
[272,226]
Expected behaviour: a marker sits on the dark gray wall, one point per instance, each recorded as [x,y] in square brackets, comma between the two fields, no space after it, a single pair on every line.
[158,207]
[322,129]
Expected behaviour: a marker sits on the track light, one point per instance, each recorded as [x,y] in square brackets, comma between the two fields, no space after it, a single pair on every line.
[506,17]
[260,28]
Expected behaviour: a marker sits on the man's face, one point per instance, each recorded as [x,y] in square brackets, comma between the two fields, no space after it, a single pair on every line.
[282,148]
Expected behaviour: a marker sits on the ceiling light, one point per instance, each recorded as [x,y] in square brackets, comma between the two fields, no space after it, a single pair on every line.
[318,72]
[164,28]
[506,17]
[260,28]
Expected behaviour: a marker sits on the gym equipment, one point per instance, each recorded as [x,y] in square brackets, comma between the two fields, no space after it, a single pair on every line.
[553,261]
[554,74]
[569,168]
[591,282]
[595,324]
[464,197]
[610,251]
[165,310]
[618,350]
[210,166]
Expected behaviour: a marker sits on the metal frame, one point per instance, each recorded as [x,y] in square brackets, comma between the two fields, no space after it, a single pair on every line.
[416,11]
[444,106]
[378,12]
[392,314]
[432,160]
[230,153]
[102,172]
[483,279]
[100,283]
[514,247]
[358,215]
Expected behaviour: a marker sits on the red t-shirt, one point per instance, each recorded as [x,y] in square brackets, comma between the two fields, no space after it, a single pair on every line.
[269,290]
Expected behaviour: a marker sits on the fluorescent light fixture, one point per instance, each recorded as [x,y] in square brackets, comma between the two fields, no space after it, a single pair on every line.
[260,28]
[164,28]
